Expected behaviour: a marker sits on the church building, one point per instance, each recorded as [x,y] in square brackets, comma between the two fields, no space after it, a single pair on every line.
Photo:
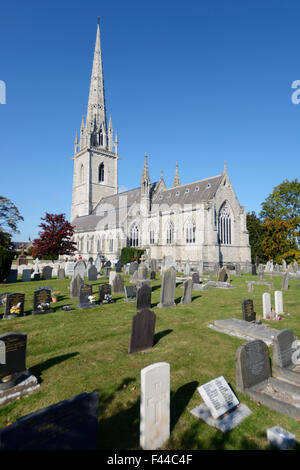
[197,222]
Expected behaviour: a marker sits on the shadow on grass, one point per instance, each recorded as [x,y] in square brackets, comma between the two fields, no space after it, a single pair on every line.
[194,297]
[39,368]
[155,288]
[180,400]
[160,335]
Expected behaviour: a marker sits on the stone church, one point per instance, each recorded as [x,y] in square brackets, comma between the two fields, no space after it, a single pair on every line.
[197,222]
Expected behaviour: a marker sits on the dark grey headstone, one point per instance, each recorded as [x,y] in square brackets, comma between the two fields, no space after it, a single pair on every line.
[284,347]
[187,292]
[119,266]
[12,276]
[118,284]
[195,278]
[13,371]
[85,291]
[47,273]
[68,425]
[61,273]
[26,275]
[92,273]
[42,301]
[253,269]
[107,264]
[143,297]
[168,286]
[153,276]
[14,306]
[75,284]
[252,364]
[130,293]
[142,331]
[248,310]
[36,276]
[104,291]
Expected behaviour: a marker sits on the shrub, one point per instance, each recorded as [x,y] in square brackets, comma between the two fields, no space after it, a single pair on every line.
[6,257]
[129,254]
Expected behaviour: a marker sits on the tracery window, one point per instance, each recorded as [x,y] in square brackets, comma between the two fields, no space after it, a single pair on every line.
[101,173]
[190,232]
[134,236]
[170,233]
[224,225]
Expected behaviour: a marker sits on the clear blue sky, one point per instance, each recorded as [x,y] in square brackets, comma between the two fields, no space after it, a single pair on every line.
[193,82]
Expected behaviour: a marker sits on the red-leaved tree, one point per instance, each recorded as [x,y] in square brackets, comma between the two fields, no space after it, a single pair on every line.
[55,237]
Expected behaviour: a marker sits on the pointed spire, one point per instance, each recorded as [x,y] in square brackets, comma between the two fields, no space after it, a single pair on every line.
[145,175]
[225,168]
[96,104]
[176,181]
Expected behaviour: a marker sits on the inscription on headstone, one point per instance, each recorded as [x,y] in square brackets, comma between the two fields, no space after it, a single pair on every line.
[248,310]
[218,397]
[14,305]
[42,302]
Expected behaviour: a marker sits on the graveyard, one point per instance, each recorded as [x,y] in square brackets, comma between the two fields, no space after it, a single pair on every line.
[80,350]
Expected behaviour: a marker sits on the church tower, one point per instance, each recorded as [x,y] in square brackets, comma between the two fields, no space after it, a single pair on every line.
[95,173]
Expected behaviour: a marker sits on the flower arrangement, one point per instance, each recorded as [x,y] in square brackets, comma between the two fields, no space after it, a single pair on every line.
[107,299]
[15,309]
[55,294]
[43,306]
[92,299]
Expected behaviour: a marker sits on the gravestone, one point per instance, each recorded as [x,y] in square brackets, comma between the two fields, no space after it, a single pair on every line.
[253,269]
[142,331]
[285,281]
[15,380]
[106,270]
[79,268]
[46,273]
[118,284]
[168,286]
[286,357]
[143,297]
[112,275]
[155,406]
[14,305]
[195,278]
[218,397]
[69,268]
[153,276]
[187,292]
[92,273]
[61,273]
[12,276]
[250,287]
[85,291]
[248,310]
[133,267]
[42,302]
[238,269]
[280,438]
[133,278]
[119,265]
[278,302]
[200,268]
[26,275]
[68,425]
[75,284]
[266,301]
[104,291]
[130,293]
[142,272]
[284,264]
[187,268]
[107,264]
[153,265]
[98,263]
[222,275]
[36,276]
[168,262]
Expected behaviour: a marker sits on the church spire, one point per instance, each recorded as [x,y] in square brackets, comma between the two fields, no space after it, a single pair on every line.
[96,113]
[176,181]
[145,175]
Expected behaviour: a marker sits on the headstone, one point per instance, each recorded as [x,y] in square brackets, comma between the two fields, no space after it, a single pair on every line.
[61,273]
[248,310]
[278,302]
[250,287]
[142,272]
[130,293]
[284,264]
[13,370]
[168,262]
[218,397]
[285,281]
[26,275]
[222,276]
[142,331]
[119,265]
[47,273]
[85,291]
[14,306]
[253,269]
[36,276]
[187,268]
[200,268]
[133,267]
[195,278]
[12,276]
[98,263]
[104,293]
[107,264]
[118,284]
[155,406]
[280,438]
[112,275]
[92,273]
[153,265]
[285,346]
[79,268]
[187,292]
[133,277]
[106,270]
[252,364]
[69,268]
[266,301]
[41,302]
[168,286]
[68,425]
[143,297]
[153,276]
[75,284]
[238,269]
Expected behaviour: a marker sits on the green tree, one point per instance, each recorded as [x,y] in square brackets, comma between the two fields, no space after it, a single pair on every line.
[9,215]
[279,240]
[256,235]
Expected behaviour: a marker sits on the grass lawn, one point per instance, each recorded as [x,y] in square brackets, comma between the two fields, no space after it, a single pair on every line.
[83,350]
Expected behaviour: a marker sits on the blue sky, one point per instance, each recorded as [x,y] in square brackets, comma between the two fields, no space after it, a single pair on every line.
[194,82]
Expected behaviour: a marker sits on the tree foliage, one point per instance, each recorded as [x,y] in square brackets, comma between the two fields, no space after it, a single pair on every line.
[130,254]
[6,255]
[9,215]
[54,238]
[279,241]
[256,235]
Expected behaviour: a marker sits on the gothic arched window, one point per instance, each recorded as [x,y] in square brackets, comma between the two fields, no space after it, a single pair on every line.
[224,225]
[81,174]
[170,233]
[190,232]
[101,173]
[134,236]
[151,234]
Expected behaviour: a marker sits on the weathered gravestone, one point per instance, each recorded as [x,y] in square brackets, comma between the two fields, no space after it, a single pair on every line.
[118,284]
[85,291]
[195,278]
[266,301]
[155,406]
[68,425]
[112,275]
[12,276]
[98,263]
[69,268]
[285,281]
[104,293]
[61,274]
[142,331]
[130,293]
[253,377]
[253,269]
[14,305]
[106,270]
[222,275]
[133,267]
[75,284]
[168,286]
[47,273]
[42,302]
[15,379]
[238,269]
[200,268]
[221,408]
[80,268]
[278,302]
[26,275]
[119,265]
[187,292]
[143,297]
[153,265]
[286,357]
[248,310]
[187,268]
[92,273]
